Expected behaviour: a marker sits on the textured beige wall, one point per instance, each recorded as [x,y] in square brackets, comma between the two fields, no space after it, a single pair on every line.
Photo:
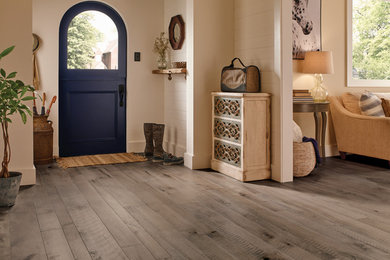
[210,49]
[259,41]
[334,38]
[175,90]
[144,20]
[16,29]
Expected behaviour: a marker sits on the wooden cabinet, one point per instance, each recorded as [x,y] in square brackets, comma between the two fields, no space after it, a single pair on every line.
[241,135]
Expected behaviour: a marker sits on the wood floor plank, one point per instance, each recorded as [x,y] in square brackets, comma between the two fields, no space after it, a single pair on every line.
[150,211]
[72,235]
[26,238]
[5,242]
[97,238]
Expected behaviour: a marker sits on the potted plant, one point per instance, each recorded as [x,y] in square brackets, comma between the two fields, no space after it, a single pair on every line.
[12,94]
[161,47]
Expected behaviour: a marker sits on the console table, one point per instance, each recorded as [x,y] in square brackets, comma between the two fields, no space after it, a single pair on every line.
[320,118]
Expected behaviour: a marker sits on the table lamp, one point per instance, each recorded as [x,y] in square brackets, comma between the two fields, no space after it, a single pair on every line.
[318,63]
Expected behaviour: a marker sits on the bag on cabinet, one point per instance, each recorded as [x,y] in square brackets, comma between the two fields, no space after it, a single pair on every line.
[245,79]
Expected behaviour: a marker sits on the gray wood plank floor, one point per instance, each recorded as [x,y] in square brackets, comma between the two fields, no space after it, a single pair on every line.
[150,211]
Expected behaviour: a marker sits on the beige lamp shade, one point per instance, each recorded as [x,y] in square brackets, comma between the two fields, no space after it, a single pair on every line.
[318,62]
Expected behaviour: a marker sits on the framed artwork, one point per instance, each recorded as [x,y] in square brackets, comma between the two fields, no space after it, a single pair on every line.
[306,27]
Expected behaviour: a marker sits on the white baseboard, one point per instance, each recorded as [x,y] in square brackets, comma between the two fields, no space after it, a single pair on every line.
[28,175]
[136,146]
[196,161]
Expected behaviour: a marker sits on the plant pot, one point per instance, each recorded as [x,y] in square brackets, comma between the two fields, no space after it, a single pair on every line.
[9,188]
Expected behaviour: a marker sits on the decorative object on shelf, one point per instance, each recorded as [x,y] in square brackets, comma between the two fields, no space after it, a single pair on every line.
[161,48]
[169,72]
[306,27]
[318,63]
[180,64]
[245,79]
[176,32]
[13,93]
[241,135]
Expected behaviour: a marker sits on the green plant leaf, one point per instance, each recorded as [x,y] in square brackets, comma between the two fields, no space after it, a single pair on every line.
[11,75]
[28,98]
[2,73]
[23,115]
[8,120]
[6,51]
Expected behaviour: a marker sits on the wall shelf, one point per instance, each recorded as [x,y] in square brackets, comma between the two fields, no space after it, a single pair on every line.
[169,72]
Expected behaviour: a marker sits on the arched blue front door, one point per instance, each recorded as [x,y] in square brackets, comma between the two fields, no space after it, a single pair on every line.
[92,87]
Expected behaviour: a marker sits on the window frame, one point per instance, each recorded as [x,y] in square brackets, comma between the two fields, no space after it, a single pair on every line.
[351,82]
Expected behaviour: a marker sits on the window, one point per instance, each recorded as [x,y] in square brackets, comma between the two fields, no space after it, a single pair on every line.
[92,42]
[368,43]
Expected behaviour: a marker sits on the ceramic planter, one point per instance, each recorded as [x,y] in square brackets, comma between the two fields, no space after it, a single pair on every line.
[9,188]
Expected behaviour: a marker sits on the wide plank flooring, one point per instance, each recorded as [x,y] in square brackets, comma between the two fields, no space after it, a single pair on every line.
[150,211]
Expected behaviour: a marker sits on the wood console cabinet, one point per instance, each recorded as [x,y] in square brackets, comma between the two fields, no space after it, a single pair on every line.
[241,135]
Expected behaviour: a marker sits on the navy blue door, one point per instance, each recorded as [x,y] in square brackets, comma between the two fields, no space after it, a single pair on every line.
[92,101]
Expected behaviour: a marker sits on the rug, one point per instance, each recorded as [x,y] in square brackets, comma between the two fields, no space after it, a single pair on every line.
[98,159]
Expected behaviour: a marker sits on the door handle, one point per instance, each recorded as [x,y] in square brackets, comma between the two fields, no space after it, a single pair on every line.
[121,94]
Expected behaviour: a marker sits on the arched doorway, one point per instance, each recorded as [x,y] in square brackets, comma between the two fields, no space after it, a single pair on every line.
[92,80]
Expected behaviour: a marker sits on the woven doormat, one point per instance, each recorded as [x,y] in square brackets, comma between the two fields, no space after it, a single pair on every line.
[98,159]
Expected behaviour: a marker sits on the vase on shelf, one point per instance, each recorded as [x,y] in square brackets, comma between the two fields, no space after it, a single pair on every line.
[162,62]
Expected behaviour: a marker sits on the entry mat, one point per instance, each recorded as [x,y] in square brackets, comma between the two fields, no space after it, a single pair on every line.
[98,159]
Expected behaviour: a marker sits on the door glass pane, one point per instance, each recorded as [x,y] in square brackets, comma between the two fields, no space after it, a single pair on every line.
[92,42]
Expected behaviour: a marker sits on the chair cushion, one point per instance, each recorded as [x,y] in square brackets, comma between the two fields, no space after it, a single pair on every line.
[351,102]
[371,105]
[386,106]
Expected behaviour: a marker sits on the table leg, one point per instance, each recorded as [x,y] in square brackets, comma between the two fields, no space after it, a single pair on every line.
[323,133]
[317,126]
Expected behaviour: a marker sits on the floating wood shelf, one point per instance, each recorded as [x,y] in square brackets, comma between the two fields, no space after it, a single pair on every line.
[169,72]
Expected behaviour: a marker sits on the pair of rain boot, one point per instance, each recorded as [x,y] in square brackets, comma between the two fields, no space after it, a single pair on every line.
[154,136]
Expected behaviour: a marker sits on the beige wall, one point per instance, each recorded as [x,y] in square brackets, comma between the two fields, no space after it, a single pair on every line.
[16,29]
[210,49]
[144,21]
[258,41]
[175,90]
[334,38]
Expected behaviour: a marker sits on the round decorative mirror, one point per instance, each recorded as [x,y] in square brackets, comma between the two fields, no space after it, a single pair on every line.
[176,32]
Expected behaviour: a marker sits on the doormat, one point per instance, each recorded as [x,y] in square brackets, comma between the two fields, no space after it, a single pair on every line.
[98,159]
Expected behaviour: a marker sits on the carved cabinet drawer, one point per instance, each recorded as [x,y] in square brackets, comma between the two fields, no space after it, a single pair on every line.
[228,153]
[227,129]
[241,135]
[227,107]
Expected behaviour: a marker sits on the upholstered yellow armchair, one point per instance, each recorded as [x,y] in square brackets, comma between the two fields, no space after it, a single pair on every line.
[360,134]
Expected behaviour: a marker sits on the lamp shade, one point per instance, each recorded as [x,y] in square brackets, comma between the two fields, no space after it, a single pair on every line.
[318,62]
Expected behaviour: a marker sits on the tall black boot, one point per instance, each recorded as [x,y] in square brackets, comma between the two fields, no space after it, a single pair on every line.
[158,137]
[148,132]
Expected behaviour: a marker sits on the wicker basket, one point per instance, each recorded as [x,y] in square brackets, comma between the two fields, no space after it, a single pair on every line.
[304,159]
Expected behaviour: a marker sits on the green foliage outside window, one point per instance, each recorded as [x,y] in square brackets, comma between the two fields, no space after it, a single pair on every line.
[371,39]
[82,39]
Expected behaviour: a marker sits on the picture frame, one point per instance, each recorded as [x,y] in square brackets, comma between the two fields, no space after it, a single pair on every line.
[306,27]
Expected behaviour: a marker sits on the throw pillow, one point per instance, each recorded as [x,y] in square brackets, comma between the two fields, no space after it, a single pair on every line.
[297,133]
[351,102]
[371,105]
[386,106]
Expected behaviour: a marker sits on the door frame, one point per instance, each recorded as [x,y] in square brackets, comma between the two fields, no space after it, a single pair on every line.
[64,73]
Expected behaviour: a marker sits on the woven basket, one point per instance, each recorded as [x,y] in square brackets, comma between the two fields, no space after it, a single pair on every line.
[304,158]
